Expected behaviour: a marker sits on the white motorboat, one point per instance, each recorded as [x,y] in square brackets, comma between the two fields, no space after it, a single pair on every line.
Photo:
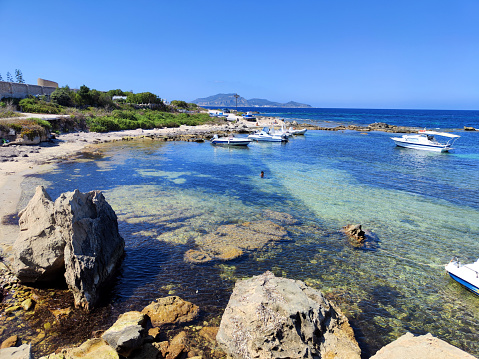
[465,274]
[230,141]
[264,135]
[425,140]
[294,131]
[281,132]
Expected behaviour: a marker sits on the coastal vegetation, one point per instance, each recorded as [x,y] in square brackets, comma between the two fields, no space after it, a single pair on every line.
[97,111]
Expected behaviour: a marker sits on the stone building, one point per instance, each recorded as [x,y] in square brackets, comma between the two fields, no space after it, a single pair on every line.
[16,90]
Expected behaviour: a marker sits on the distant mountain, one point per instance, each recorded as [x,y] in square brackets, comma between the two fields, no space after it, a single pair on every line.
[229,100]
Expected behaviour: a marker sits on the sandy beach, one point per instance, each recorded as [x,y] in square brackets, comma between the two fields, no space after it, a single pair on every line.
[36,159]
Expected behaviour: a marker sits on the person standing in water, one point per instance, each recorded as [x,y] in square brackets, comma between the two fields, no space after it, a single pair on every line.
[262,174]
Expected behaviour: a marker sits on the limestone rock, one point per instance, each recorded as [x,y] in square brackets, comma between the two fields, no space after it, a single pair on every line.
[170,310]
[421,347]
[38,250]
[91,349]
[77,235]
[127,334]
[94,248]
[271,317]
[21,352]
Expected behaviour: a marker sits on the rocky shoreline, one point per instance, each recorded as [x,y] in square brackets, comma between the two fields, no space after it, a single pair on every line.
[170,326]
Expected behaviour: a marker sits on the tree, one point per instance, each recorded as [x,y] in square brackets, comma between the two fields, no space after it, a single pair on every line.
[62,96]
[9,77]
[85,95]
[1,79]
[19,76]
[180,104]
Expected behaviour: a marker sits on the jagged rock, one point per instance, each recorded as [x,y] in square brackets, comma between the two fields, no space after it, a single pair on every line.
[127,334]
[421,347]
[170,310]
[77,236]
[355,231]
[38,250]
[209,333]
[21,352]
[271,317]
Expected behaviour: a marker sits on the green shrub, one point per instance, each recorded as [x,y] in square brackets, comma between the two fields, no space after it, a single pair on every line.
[38,106]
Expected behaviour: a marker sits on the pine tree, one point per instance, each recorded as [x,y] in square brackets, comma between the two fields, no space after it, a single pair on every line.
[9,77]
[1,78]
[19,76]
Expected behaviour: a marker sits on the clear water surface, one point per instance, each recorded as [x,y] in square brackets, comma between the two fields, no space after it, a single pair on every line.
[421,209]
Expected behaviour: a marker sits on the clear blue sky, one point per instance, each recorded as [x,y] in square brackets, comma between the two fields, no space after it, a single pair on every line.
[327,53]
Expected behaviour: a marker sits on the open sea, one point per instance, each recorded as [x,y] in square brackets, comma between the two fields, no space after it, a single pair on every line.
[421,209]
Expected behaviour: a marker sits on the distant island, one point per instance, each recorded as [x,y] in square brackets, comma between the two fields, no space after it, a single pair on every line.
[229,100]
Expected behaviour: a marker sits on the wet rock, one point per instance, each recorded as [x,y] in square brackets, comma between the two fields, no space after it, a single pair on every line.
[127,334]
[91,349]
[271,317]
[28,304]
[467,128]
[421,347]
[76,235]
[355,231]
[232,240]
[21,352]
[10,342]
[170,310]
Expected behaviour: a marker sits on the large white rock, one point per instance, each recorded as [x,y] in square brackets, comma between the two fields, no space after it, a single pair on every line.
[273,317]
[77,236]
[420,347]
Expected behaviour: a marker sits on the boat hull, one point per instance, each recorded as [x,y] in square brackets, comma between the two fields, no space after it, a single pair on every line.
[424,147]
[235,142]
[267,138]
[464,275]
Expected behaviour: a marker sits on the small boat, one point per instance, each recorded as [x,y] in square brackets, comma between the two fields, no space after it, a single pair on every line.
[425,140]
[465,274]
[281,132]
[249,116]
[294,131]
[230,141]
[264,135]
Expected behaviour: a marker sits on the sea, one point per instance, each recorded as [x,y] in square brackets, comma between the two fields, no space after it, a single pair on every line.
[419,209]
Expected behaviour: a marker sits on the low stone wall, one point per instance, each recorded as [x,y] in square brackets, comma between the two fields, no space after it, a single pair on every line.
[16,90]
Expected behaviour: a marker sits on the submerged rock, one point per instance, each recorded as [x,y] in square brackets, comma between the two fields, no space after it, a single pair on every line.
[271,317]
[77,235]
[231,240]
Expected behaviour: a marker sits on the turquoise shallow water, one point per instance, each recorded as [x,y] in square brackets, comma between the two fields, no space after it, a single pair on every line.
[421,209]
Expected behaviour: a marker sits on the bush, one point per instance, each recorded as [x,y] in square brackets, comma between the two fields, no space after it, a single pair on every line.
[38,106]
[62,96]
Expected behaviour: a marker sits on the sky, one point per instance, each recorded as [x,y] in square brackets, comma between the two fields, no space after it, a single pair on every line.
[414,54]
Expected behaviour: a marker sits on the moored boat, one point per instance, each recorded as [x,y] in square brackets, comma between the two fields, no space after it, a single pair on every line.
[230,141]
[294,131]
[465,274]
[265,135]
[425,140]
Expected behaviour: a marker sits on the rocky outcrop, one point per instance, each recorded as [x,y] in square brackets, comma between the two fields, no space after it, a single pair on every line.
[271,317]
[170,310]
[77,235]
[421,347]
[92,349]
[127,334]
